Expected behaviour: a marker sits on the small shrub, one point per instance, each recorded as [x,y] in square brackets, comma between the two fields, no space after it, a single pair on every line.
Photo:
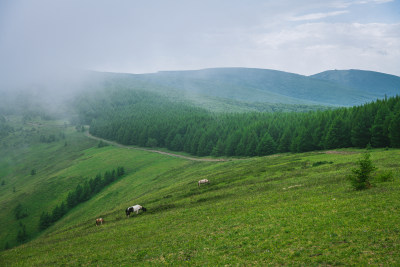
[369,146]
[318,163]
[22,236]
[385,176]
[360,177]
[20,212]
[102,144]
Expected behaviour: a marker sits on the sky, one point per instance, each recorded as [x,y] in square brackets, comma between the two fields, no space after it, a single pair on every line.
[48,38]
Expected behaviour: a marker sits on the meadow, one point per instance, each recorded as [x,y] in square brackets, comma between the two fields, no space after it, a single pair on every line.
[284,209]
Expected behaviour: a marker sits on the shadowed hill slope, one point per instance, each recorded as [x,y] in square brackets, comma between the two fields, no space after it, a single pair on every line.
[267,86]
[375,83]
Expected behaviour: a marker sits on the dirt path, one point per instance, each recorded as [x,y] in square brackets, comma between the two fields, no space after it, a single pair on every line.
[340,152]
[151,150]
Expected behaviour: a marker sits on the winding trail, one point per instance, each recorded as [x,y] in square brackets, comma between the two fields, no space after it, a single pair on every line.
[152,150]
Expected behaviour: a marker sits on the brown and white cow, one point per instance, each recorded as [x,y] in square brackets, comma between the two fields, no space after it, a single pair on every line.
[99,221]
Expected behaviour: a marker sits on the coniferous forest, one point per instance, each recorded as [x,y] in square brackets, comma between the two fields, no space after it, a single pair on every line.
[146,119]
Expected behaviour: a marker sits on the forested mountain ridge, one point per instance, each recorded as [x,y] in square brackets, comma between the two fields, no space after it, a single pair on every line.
[219,89]
[263,85]
[366,81]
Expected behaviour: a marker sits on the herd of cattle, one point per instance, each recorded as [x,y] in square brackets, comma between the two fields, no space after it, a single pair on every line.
[137,208]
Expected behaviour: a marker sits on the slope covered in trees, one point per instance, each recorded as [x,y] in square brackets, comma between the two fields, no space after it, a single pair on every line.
[244,85]
[369,82]
[146,119]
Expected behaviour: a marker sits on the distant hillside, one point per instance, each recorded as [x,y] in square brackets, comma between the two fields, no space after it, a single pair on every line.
[372,82]
[266,86]
[258,85]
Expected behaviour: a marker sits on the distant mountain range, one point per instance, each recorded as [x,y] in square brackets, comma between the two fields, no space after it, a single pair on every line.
[247,85]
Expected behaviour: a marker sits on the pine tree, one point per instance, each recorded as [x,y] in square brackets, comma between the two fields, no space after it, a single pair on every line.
[45,220]
[379,129]
[120,171]
[360,179]
[335,137]
[394,127]
[22,235]
[285,141]
[360,132]
[267,146]
[71,200]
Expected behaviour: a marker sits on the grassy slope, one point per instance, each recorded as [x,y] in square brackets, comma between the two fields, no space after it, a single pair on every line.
[271,210]
[19,154]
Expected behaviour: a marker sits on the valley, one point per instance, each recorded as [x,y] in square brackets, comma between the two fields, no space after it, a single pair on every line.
[278,166]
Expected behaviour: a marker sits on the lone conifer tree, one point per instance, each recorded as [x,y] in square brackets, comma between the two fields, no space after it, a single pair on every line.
[361,176]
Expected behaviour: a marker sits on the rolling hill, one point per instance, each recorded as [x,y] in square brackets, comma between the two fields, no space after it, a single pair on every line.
[219,89]
[369,82]
[265,86]
[287,209]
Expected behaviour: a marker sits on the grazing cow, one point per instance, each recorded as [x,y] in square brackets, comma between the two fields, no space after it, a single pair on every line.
[135,208]
[99,221]
[204,181]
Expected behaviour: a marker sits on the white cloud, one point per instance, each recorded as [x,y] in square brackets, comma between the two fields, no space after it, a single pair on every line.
[315,16]
[346,3]
[312,47]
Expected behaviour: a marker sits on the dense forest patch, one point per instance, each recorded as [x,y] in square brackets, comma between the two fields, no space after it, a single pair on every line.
[145,119]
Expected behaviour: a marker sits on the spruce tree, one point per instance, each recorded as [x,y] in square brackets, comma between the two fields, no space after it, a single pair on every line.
[394,127]
[266,146]
[335,137]
[360,179]
[360,132]
[379,130]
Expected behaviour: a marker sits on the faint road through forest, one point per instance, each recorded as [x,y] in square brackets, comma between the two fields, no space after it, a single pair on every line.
[151,150]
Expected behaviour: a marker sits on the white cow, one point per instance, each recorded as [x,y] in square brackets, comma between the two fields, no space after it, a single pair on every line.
[204,181]
[135,208]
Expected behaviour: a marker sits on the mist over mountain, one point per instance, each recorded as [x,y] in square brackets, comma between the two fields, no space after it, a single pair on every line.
[233,89]
[268,86]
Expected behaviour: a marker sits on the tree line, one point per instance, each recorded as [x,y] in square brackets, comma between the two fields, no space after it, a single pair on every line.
[82,193]
[146,119]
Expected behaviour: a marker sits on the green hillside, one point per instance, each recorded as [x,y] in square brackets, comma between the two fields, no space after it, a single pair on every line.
[250,85]
[369,82]
[44,148]
[286,209]
[209,94]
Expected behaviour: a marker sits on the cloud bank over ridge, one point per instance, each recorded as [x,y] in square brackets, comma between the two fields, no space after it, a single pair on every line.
[44,39]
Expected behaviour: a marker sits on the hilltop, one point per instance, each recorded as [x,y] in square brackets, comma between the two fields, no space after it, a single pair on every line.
[369,82]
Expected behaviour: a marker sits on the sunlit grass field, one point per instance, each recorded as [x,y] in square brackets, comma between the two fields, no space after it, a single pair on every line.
[288,209]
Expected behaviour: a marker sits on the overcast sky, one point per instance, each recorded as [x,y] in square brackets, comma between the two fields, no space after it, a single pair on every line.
[306,37]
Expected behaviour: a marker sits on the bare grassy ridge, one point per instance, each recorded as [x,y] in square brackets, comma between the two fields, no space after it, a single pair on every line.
[292,209]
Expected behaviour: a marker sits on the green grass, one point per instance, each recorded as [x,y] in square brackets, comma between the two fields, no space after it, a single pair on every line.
[289,209]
